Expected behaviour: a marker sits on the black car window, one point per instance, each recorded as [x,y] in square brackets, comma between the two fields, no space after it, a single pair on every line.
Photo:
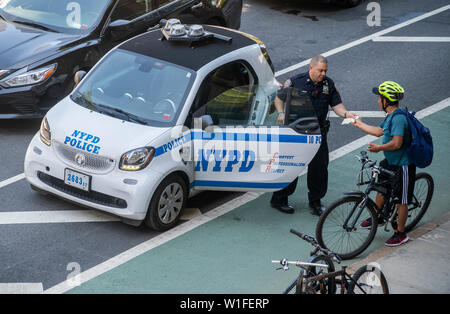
[61,15]
[131,9]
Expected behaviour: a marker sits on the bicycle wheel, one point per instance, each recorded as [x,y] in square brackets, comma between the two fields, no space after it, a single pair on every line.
[369,280]
[346,242]
[324,286]
[423,192]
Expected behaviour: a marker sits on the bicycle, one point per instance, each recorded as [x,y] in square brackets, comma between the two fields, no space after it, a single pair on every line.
[313,280]
[339,228]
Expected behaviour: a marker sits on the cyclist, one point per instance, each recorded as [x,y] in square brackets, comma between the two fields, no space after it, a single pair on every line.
[396,136]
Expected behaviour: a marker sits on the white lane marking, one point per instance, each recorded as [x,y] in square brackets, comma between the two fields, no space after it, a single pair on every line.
[366,39]
[12,180]
[363,114]
[155,242]
[54,216]
[208,216]
[411,39]
[21,288]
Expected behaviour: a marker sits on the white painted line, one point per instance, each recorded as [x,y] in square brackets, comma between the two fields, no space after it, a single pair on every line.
[60,216]
[411,39]
[362,114]
[21,288]
[154,242]
[365,39]
[12,180]
[208,216]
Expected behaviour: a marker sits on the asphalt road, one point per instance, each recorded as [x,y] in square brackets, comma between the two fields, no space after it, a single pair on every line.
[293,31]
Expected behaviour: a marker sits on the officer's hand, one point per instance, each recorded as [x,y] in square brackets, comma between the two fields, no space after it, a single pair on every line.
[280,119]
[358,122]
[351,115]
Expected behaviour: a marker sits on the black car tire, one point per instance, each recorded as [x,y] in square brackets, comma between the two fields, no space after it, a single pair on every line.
[173,184]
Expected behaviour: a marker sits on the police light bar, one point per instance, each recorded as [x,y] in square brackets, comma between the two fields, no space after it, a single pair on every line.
[173,30]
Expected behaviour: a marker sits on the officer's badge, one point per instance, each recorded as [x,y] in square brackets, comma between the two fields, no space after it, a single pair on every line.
[288,83]
[326,89]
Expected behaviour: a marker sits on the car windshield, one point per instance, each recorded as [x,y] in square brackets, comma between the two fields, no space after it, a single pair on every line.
[75,16]
[136,88]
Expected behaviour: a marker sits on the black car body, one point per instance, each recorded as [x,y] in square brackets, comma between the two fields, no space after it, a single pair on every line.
[40,51]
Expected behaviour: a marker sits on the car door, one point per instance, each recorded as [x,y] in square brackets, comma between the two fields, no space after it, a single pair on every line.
[239,145]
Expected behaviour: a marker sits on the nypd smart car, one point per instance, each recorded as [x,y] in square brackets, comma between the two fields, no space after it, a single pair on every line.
[167,113]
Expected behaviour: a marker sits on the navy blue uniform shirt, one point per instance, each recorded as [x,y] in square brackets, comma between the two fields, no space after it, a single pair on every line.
[322,95]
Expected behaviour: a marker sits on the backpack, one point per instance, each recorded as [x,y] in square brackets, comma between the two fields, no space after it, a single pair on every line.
[420,151]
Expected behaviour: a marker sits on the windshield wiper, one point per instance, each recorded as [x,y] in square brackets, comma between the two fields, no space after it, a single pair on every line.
[130,116]
[45,28]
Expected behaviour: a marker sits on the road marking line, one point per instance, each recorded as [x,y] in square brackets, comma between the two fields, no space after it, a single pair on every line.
[56,216]
[21,288]
[365,39]
[208,216]
[12,180]
[411,39]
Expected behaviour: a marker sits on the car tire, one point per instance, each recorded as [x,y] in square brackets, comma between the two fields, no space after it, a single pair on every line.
[167,203]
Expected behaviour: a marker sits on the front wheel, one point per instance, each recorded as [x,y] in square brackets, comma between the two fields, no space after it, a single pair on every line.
[347,229]
[166,204]
[368,280]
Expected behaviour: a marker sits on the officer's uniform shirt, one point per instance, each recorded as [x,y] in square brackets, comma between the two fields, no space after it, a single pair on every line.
[322,95]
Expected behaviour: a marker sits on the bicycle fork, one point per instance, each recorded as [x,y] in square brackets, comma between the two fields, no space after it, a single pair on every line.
[360,208]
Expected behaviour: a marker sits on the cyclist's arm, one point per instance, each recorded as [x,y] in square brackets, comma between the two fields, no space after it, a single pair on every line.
[394,144]
[369,129]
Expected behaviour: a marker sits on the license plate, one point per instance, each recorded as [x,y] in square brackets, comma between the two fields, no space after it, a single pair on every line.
[77,180]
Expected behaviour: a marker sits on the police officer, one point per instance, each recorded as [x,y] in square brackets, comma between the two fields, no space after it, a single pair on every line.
[323,93]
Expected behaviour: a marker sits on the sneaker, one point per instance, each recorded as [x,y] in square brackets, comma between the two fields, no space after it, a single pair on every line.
[367,224]
[397,239]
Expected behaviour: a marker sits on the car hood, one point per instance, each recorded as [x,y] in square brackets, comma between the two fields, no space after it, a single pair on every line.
[23,45]
[80,128]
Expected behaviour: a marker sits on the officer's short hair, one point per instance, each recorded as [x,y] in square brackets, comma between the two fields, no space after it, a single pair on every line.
[318,59]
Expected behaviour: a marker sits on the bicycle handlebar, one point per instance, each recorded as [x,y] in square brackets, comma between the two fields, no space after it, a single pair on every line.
[314,243]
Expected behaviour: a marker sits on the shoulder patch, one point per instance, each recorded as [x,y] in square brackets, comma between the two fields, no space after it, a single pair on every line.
[288,83]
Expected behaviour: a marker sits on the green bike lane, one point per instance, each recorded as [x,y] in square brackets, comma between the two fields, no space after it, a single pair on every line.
[232,253]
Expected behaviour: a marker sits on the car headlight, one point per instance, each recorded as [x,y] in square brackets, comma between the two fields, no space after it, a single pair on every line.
[136,159]
[31,77]
[46,135]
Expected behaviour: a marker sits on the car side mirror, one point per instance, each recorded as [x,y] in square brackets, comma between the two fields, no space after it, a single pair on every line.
[119,29]
[79,76]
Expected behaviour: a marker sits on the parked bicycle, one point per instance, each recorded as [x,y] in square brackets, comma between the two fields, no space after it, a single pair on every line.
[340,227]
[318,275]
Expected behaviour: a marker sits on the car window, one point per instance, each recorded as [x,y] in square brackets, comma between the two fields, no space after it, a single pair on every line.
[236,75]
[60,15]
[151,90]
[255,106]
[131,9]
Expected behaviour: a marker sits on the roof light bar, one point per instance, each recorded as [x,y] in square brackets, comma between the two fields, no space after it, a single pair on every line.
[173,30]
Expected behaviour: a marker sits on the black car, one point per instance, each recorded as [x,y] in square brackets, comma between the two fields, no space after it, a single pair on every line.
[43,43]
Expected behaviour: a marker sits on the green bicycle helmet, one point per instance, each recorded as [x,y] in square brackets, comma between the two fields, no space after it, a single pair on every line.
[390,90]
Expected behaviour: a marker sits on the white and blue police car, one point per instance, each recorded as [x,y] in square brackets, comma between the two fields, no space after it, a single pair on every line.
[170,112]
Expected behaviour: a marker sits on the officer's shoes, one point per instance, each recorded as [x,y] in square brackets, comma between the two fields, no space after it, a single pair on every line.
[317,208]
[284,208]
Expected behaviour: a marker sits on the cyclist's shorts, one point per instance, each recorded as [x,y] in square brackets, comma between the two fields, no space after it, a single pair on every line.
[403,182]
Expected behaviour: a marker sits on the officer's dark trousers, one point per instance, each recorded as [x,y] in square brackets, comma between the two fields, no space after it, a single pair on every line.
[317,178]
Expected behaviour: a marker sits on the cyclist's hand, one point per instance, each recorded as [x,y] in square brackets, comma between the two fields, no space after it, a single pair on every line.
[374,148]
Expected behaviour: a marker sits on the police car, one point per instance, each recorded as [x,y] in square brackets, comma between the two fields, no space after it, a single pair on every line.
[168,113]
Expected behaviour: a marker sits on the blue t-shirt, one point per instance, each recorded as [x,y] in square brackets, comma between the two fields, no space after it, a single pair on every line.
[398,126]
